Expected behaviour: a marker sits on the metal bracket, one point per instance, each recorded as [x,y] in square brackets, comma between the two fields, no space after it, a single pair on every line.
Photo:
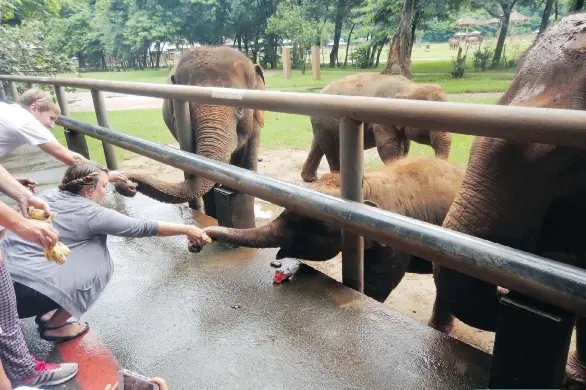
[234,209]
[531,344]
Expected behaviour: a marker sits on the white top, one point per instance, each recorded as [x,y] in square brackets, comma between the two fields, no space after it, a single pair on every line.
[20,127]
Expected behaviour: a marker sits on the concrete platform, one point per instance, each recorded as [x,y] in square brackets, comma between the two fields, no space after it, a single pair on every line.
[215,320]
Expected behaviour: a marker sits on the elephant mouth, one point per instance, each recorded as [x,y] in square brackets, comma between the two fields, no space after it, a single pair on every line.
[128,188]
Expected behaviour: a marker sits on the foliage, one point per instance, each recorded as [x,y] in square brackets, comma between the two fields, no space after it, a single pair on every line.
[459,64]
[15,12]
[482,58]
[361,57]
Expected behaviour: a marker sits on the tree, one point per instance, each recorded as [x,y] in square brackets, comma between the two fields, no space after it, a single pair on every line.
[15,12]
[546,16]
[292,21]
[578,5]
[399,61]
[23,52]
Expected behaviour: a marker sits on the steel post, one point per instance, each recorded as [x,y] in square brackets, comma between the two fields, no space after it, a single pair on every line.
[13,91]
[351,165]
[2,91]
[531,345]
[102,116]
[75,141]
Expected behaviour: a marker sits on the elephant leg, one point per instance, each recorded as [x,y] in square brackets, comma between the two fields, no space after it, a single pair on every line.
[309,170]
[442,318]
[390,142]
[441,143]
[384,268]
[576,368]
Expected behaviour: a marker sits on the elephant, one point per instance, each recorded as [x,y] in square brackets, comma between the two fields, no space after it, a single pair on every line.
[454,43]
[222,133]
[418,187]
[527,196]
[391,141]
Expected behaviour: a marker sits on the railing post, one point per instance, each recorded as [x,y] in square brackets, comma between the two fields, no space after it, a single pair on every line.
[75,141]
[2,91]
[531,344]
[351,162]
[13,91]
[185,137]
[102,116]
[31,85]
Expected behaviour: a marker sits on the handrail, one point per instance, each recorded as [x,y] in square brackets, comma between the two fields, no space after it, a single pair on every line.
[550,281]
[522,124]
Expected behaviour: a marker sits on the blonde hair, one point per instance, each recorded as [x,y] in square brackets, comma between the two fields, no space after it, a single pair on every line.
[41,98]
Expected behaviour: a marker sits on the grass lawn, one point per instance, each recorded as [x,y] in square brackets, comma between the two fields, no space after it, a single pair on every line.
[281,131]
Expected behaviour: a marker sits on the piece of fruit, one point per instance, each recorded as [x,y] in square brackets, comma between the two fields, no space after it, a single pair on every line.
[40,215]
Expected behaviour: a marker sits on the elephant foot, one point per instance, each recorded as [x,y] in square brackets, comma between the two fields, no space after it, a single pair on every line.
[575,373]
[444,327]
[308,177]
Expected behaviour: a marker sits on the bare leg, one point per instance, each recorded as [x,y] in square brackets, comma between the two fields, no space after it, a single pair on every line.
[309,170]
[576,368]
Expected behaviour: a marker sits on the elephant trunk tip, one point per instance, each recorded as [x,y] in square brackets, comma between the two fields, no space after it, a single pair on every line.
[126,189]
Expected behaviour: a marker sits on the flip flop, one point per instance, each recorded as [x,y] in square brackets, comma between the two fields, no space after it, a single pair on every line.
[40,322]
[61,339]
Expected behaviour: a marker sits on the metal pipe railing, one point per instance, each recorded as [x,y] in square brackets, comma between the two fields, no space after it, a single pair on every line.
[522,124]
[558,284]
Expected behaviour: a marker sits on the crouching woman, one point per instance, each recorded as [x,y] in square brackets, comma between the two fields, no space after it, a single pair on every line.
[54,293]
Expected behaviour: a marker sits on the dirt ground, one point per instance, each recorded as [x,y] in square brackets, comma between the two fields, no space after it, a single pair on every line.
[415,294]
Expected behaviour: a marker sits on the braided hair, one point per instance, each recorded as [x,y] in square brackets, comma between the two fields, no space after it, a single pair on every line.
[81,174]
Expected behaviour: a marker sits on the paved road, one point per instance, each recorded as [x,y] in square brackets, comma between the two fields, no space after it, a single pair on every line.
[215,320]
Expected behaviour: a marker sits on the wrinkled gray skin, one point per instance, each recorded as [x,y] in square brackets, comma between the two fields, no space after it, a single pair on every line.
[222,133]
[527,196]
[418,187]
[391,141]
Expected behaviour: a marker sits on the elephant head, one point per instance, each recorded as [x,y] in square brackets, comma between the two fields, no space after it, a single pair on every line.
[418,187]
[221,133]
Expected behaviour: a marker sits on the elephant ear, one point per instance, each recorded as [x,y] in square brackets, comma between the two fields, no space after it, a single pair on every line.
[260,85]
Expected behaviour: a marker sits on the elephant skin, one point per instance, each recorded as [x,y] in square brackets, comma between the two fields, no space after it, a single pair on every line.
[222,133]
[526,196]
[392,141]
[417,187]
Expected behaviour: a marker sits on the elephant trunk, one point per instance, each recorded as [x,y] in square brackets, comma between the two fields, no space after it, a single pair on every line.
[271,235]
[215,138]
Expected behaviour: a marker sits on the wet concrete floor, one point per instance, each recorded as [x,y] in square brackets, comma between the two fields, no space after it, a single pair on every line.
[215,320]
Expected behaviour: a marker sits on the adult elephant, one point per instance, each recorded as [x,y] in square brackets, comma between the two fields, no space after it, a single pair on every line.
[392,141]
[418,187]
[526,196]
[222,133]
[454,43]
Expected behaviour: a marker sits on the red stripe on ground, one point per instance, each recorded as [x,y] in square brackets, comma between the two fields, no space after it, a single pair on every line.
[97,366]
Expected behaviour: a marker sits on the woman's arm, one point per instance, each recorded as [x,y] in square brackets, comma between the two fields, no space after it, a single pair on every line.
[196,236]
[38,232]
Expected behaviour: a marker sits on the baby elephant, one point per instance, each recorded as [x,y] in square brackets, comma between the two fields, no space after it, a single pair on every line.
[392,141]
[418,187]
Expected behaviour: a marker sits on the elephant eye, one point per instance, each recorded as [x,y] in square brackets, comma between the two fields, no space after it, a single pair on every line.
[240,111]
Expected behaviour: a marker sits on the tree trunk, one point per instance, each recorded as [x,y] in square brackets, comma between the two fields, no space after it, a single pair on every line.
[556,10]
[579,5]
[255,51]
[337,33]
[416,19]
[246,46]
[348,43]
[545,18]
[373,53]
[239,42]
[380,49]
[399,61]
[502,35]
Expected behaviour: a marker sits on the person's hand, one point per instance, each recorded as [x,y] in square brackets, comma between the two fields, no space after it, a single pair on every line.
[117,177]
[28,183]
[158,381]
[31,200]
[40,233]
[197,238]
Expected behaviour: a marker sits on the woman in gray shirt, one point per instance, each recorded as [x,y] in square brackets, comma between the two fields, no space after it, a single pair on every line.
[54,293]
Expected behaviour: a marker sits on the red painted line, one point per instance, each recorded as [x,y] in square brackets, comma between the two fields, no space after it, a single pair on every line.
[97,365]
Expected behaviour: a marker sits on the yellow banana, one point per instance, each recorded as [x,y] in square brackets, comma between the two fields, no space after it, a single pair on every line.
[40,215]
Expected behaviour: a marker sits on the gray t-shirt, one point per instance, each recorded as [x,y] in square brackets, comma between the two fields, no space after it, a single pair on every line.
[83,226]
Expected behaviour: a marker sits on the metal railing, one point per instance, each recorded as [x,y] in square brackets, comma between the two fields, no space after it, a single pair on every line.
[558,284]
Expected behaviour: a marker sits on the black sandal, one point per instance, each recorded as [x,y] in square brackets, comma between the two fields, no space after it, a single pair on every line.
[61,339]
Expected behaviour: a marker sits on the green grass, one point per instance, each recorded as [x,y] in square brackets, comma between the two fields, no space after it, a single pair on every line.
[281,131]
